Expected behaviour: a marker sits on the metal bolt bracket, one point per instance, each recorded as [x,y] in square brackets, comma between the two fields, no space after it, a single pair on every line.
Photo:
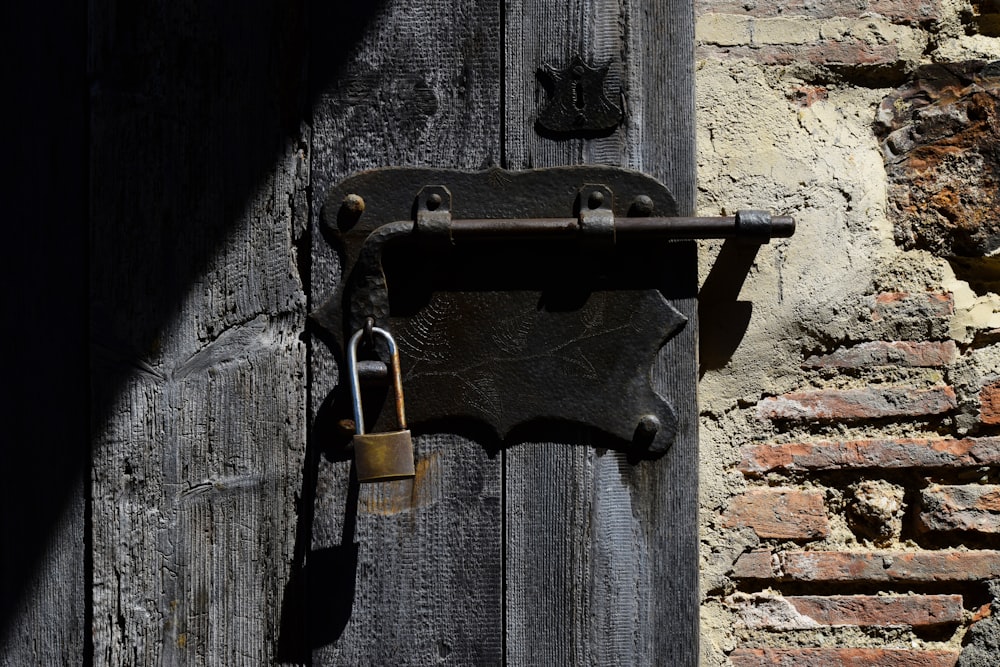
[754,226]
[434,212]
[597,217]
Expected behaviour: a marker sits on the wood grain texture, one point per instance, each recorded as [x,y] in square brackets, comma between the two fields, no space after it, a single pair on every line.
[650,49]
[46,625]
[197,307]
[601,564]
[43,265]
[409,572]
[602,555]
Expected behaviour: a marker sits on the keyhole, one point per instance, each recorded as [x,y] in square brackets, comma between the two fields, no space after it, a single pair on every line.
[578,100]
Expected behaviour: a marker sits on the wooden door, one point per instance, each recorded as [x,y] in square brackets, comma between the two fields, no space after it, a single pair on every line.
[540,553]
[216,526]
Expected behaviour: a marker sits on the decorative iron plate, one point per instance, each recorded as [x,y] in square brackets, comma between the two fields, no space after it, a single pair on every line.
[518,335]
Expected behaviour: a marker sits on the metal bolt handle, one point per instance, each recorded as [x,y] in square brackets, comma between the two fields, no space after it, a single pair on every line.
[758,226]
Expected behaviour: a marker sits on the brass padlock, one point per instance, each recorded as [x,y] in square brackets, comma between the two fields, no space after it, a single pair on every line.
[380,457]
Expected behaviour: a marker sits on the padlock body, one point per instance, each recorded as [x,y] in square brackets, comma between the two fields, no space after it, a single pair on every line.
[381,457]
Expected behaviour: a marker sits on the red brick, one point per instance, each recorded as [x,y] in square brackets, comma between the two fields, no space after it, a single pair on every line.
[855,404]
[861,454]
[984,611]
[906,10]
[880,610]
[786,514]
[913,305]
[771,611]
[841,657]
[989,404]
[869,566]
[969,507]
[899,11]
[806,96]
[882,353]
[940,135]
[824,52]
[757,565]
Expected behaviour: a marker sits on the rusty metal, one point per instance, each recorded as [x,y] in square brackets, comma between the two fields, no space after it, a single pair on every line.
[596,223]
[503,317]
[764,228]
[354,204]
[434,213]
[576,101]
[379,457]
[642,206]
[373,370]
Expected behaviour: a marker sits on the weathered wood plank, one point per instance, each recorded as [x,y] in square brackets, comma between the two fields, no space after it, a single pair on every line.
[410,571]
[662,126]
[650,47]
[196,310]
[540,33]
[45,450]
[46,607]
[602,558]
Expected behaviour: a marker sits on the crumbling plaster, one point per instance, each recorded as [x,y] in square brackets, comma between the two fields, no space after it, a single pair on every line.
[773,137]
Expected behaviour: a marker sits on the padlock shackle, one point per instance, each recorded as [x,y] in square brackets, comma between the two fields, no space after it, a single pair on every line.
[397,378]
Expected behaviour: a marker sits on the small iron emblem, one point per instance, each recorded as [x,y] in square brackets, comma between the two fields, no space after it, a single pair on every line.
[576,101]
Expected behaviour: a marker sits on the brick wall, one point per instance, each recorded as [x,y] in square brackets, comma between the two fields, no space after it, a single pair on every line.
[851,447]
